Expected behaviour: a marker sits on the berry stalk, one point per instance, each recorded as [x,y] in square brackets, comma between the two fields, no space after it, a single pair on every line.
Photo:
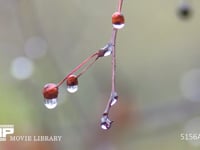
[79,66]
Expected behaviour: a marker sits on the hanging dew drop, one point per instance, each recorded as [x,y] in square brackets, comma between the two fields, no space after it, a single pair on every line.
[104,127]
[108,52]
[118,26]
[72,84]
[72,89]
[114,98]
[50,103]
[108,49]
[114,101]
[118,20]
[106,122]
[50,93]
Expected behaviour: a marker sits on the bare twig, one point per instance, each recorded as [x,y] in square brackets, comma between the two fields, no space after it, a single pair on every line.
[113,95]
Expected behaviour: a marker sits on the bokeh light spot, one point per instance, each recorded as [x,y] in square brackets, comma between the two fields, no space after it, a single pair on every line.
[21,68]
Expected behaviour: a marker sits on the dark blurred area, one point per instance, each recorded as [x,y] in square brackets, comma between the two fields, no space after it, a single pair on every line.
[158,73]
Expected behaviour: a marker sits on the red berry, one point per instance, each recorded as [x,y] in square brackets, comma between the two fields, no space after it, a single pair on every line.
[118,20]
[50,91]
[72,80]
[72,83]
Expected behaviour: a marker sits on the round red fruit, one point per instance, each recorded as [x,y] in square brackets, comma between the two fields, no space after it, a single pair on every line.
[72,80]
[50,91]
[118,19]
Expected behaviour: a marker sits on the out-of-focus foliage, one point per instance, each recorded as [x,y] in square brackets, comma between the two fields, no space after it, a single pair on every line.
[158,73]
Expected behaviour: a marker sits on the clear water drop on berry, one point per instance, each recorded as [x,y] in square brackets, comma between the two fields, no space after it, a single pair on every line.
[50,103]
[118,26]
[72,83]
[118,20]
[72,89]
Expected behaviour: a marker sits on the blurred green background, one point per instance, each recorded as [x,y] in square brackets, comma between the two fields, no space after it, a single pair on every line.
[158,74]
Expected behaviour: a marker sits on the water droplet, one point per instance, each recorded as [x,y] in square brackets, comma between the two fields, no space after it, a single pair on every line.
[118,20]
[50,103]
[114,101]
[72,83]
[114,98]
[118,26]
[72,89]
[105,51]
[106,122]
[108,52]
[104,127]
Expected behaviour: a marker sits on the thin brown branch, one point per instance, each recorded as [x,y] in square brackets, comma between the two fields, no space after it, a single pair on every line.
[113,88]
[119,8]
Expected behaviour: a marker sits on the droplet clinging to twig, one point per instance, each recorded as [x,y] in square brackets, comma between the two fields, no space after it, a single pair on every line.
[105,122]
